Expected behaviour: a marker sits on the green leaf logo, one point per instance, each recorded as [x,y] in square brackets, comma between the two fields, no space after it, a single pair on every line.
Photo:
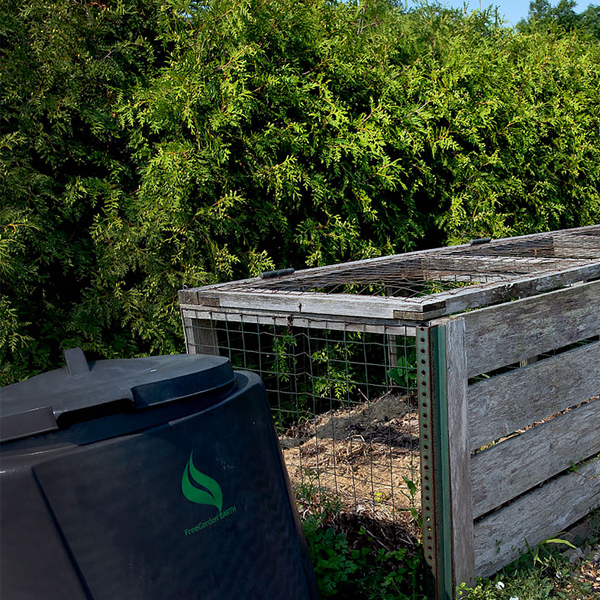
[211,495]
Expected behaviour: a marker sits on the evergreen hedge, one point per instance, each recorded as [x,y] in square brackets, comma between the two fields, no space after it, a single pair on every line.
[147,144]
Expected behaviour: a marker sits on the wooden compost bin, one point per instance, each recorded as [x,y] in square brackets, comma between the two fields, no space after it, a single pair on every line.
[508,378]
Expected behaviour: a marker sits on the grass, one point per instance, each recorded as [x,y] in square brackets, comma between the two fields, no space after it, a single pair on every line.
[350,563]
[546,571]
[362,571]
[543,573]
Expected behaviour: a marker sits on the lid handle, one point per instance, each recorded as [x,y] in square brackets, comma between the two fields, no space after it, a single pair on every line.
[32,422]
[77,363]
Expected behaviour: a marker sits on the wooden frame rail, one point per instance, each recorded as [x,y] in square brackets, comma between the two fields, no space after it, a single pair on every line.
[519,387]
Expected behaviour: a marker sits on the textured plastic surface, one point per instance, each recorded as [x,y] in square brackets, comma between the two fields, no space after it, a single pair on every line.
[195,505]
[82,390]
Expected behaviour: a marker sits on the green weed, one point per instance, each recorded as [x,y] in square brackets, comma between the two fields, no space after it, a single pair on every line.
[361,573]
[405,372]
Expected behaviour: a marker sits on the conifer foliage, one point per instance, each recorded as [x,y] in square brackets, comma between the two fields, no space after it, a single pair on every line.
[147,144]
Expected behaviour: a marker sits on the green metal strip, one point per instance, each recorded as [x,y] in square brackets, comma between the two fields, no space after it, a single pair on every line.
[424,376]
[442,464]
[435,466]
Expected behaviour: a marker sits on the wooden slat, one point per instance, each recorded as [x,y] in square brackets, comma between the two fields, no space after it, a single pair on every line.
[361,325]
[490,265]
[506,403]
[518,464]
[205,336]
[472,297]
[303,274]
[429,306]
[501,335]
[577,245]
[568,244]
[535,517]
[200,336]
[188,333]
[524,240]
[463,554]
[320,304]
[414,309]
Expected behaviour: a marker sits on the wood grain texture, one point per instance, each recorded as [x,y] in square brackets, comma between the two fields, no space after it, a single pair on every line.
[580,233]
[481,266]
[505,334]
[476,297]
[342,324]
[187,319]
[518,464]
[537,516]
[576,246]
[506,403]
[321,304]
[463,554]
[232,296]
[500,271]
[202,337]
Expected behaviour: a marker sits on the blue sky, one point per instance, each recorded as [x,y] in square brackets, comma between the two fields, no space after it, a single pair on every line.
[513,10]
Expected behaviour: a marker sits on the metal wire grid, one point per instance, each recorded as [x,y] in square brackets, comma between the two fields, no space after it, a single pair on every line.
[342,388]
[442,270]
[575,244]
[343,403]
[382,280]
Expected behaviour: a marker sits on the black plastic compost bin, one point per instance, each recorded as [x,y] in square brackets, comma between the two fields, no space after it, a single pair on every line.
[150,478]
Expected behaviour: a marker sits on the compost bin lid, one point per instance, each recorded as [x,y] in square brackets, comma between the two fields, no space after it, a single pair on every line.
[38,404]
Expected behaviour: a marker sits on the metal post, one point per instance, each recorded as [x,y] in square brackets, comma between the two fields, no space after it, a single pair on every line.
[435,471]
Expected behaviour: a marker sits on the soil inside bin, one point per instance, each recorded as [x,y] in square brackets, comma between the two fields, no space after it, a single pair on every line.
[361,462]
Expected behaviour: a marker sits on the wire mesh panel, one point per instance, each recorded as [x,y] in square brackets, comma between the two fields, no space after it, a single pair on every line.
[343,398]
[417,286]
[483,264]
[336,348]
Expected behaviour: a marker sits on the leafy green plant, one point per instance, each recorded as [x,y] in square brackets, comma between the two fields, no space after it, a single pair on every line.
[333,559]
[355,571]
[541,573]
[536,553]
[411,492]
[284,359]
[149,144]
[333,366]
[405,373]
[361,573]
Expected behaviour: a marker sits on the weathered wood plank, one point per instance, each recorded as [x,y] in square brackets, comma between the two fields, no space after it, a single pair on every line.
[506,403]
[201,336]
[468,298]
[490,265]
[415,309]
[505,334]
[358,325]
[518,464]
[303,274]
[456,250]
[463,554]
[427,306]
[320,304]
[430,307]
[188,332]
[576,245]
[539,515]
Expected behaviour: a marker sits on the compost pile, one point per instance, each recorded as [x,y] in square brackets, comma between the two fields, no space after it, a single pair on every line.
[590,570]
[363,458]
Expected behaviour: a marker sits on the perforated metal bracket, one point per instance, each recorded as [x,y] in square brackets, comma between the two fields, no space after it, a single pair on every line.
[426,426]
[435,480]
